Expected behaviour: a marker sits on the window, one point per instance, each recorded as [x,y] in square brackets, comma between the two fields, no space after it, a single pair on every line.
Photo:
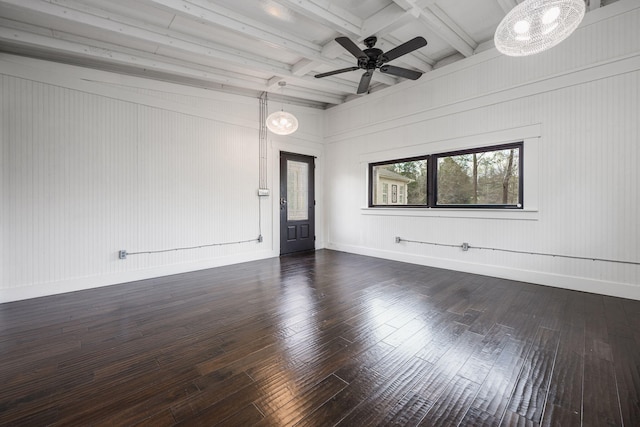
[408,177]
[488,177]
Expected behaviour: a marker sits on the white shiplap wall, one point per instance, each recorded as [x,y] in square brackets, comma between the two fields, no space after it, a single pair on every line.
[583,96]
[92,167]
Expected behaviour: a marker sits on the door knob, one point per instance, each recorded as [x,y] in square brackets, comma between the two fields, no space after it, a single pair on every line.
[283,201]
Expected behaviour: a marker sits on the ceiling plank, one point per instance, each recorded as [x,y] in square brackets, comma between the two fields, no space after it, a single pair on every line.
[225,18]
[236,44]
[155,36]
[387,20]
[35,40]
[440,27]
[332,50]
[442,15]
[153,63]
[328,13]
[165,39]
[303,67]
[435,24]
[507,5]
[272,83]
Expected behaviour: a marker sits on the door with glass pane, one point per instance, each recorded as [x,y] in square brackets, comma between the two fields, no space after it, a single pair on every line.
[297,203]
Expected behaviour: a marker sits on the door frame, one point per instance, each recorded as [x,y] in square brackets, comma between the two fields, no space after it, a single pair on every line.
[306,149]
[311,240]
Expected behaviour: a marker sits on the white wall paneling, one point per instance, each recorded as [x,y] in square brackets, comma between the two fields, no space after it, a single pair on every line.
[582,97]
[94,162]
[91,167]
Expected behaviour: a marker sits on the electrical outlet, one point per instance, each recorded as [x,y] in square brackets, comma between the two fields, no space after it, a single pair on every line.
[398,239]
[260,238]
[122,254]
[465,246]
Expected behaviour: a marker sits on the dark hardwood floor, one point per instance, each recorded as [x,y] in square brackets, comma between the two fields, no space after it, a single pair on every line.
[321,339]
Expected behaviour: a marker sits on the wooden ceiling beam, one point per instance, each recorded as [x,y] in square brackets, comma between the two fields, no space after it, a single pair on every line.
[222,17]
[142,62]
[169,39]
[302,67]
[27,39]
[441,24]
[149,61]
[328,13]
[155,36]
[387,20]
[312,53]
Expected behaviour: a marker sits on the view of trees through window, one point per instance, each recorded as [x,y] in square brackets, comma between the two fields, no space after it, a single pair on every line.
[481,177]
[484,178]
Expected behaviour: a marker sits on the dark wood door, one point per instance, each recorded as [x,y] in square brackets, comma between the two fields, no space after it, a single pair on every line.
[297,203]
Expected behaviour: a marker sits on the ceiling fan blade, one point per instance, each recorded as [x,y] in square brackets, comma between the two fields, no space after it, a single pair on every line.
[401,72]
[363,87]
[353,49]
[331,73]
[404,48]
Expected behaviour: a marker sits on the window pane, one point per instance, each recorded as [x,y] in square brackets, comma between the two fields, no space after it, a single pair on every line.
[482,178]
[297,191]
[402,183]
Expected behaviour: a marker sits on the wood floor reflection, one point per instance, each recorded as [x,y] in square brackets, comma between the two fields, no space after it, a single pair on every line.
[321,339]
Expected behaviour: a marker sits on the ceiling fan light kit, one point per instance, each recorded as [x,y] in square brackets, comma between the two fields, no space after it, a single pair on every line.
[537,25]
[373,58]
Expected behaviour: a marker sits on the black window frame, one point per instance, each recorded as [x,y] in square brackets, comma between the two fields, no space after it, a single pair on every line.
[390,162]
[432,178]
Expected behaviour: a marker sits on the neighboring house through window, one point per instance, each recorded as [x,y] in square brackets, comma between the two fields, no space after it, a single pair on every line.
[386,178]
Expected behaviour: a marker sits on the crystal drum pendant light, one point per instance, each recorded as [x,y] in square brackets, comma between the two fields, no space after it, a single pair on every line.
[537,25]
[281,122]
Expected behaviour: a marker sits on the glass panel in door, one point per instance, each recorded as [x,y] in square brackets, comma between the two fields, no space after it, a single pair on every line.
[297,191]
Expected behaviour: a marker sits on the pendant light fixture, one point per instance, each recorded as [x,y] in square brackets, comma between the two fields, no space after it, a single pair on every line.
[281,122]
[537,25]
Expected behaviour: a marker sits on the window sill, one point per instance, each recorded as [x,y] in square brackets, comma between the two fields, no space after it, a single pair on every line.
[508,214]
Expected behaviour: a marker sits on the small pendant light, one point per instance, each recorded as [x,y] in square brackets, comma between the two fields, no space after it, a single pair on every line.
[281,122]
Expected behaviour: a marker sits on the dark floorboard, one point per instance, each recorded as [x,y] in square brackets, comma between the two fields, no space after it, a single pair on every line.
[321,339]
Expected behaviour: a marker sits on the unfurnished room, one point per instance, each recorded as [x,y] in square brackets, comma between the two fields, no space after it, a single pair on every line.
[320,213]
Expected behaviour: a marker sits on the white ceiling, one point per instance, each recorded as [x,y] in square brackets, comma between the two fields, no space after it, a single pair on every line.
[249,46]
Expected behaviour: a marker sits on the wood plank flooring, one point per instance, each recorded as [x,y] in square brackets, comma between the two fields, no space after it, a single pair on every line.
[321,339]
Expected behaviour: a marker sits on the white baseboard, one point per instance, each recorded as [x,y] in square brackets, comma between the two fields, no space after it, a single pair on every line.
[616,289]
[82,283]
[622,290]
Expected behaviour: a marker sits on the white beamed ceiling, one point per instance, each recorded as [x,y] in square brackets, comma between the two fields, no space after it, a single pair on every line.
[249,46]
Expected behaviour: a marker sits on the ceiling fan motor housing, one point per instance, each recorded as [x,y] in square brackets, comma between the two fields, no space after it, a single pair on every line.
[373,60]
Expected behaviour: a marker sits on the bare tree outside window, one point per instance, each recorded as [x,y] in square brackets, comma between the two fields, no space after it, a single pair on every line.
[483,178]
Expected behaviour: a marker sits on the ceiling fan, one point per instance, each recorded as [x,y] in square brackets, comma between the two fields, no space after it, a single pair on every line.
[372,58]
